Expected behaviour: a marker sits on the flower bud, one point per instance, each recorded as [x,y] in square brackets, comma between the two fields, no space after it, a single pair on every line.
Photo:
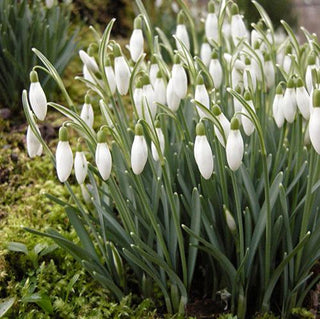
[314,123]
[224,123]
[148,106]
[235,146]
[179,78]
[277,107]
[182,33]
[289,101]
[139,151]
[89,61]
[110,76]
[136,40]
[269,71]
[215,70]
[205,53]
[122,71]
[64,156]
[103,156]
[154,69]
[303,100]
[211,24]
[203,153]
[160,136]
[87,112]
[37,97]
[34,147]
[247,124]
[201,95]
[80,165]
[160,89]
[238,28]
[230,220]
[137,98]
[173,100]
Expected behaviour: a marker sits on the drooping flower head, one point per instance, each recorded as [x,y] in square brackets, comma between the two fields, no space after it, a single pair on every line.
[80,165]
[103,156]
[139,151]
[182,32]
[122,71]
[136,40]
[37,97]
[314,124]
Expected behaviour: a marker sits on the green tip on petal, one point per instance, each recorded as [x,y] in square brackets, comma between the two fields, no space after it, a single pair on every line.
[108,62]
[312,58]
[176,59]
[79,147]
[157,123]
[211,8]
[180,18]
[199,79]
[299,83]
[238,89]
[145,79]
[235,124]
[200,130]
[139,84]
[116,50]
[260,24]
[234,9]
[153,59]
[288,49]
[214,55]
[247,61]
[102,136]
[279,89]
[247,95]
[34,77]
[93,49]
[87,99]
[316,98]
[267,56]
[138,129]
[63,134]
[159,75]
[290,83]
[216,110]
[137,24]
[256,45]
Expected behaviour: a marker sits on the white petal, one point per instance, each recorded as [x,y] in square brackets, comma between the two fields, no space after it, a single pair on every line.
[215,71]
[154,150]
[87,114]
[203,156]
[64,160]
[137,98]
[269,74]
[173,100]
[303,102]
[160,91]
[38,100]
[289,104]
[103,160]
[89,61]
[139,154]
[238,28]
[247,124]
[136,44]
[234,149]
[122,74]
[34,147]
[277,110]
[111,78]
[154,68]
[80,167]
[225,126]
[314,129]
[180,80]
[211,27]
[205,53]
[201,95]
[182,35]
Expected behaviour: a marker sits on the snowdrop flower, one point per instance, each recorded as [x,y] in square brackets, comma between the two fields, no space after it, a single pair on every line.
[136,40]
[237,73]
[277,107]
[311,66]
[173,100]
[203,152]
[238,28]
[287,60]
[103,156]
[34,147]
[201,95]
[160,136]
[269,71]
[235,146]
[247,124]
[104,110]
[37,97]
[230,220]
[249,76]
[80,165]
[224,123]
[211,24]
[182,33]
[160,89]
[122,71]
[314,124]
[289,102]
[139,151]
[179,78]
[149,108]
[89,61]
[205,52]
[49,3]
[236,104]
[137,98]
[64,156]
[87,112]
[303,100]
[110,76]
[154,68]
[215,70]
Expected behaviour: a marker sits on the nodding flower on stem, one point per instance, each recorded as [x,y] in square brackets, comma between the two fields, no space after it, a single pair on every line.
[287,60]
[149,108]
[80,165]
[179,78]
[110,76]
[311,66]
[64,156]
[182,33]
[211,24]
[160,136]
[314,124]
[247,124]
[87,112]
[139,151]
[122,71]
[136,40]
[203,152]
[249,75]
[224,123]
[290,101]
[173,100]
[103,156]
[205,52]
[303,99]
[215,70]
[154,69]
[160,89]
[269,71]
[238,28]
[235,146]
[34,147]
[37,97]
[89,61]
[277,106]
[201,95]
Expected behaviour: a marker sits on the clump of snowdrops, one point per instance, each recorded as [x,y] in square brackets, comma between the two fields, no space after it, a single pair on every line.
[205,168]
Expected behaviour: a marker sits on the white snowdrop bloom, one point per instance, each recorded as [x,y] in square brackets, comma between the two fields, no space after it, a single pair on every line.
[110,76]
[37,97]
[182,33]
[201,95]
[34,147]
[122,71]
[64,156]
[136,40]
[230,221]
[249,76]
[179,79]
[86,74]
[277,107]
[49,3]
[87,112]
[202,152]
[173,100]
[247,124]
[160,136]
[160,89]
[89,61]
[305,129]
[211,24]
[255,37]
[205,53]
[255,64]
[238,28]
[269,71]
[137,98]
[289,102]
[149,108]
[303,100]
[215,70]
[314,123]
[103,156]
[80,165]
[311,66]
[226,29]
[237,106]
[287,60]
[235,146]
[224,123]
[236,77]
[154,69]
[139,151]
